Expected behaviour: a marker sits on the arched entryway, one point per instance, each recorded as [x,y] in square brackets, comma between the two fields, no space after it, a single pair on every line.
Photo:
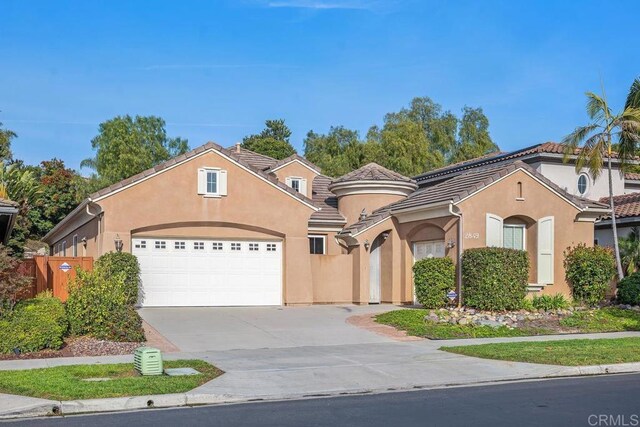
[375,269]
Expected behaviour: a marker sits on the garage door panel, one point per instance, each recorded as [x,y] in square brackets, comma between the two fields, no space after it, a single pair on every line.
[199,272]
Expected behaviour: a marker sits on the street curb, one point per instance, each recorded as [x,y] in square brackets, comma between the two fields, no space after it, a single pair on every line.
[76,407]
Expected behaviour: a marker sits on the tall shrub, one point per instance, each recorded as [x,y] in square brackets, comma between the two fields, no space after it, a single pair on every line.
[433,278]
[629,290]
[113,263]
[589,271]
[98,305]
[494,278]
[13,284]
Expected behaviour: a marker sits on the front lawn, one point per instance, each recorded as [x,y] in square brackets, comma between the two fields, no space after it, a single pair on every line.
[67,382]
[608,319]
[564,352]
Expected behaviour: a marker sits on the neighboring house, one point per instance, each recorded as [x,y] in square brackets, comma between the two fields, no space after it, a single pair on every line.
[8,215]
[627,208]
[218,226]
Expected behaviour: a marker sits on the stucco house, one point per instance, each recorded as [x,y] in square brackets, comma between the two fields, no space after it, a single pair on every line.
[216,227]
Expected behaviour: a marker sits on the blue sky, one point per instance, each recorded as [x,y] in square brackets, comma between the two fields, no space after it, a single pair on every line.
[215,70]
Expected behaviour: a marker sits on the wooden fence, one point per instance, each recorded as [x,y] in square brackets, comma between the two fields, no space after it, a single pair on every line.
[53,273]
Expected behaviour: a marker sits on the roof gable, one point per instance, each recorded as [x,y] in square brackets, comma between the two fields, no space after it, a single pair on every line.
[372,172]
[294,158]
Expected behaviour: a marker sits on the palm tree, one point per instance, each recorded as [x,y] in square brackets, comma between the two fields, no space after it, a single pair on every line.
[630,251]
[597,139]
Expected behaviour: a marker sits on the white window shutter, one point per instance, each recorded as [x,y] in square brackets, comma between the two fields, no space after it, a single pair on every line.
[287,181]
[202,181]
[303,186]
[545,250]
[494,231]
[222,184]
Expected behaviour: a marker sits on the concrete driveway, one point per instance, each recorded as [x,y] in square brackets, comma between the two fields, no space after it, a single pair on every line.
[202,329]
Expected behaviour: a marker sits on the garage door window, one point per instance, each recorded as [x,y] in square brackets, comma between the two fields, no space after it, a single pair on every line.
[271,247]
[142,244]
[236,246]
[217,246]
[161,244]
[253,246]
[198,246]
[180,245]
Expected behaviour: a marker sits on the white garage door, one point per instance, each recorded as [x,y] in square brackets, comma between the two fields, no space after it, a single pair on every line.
[199,272]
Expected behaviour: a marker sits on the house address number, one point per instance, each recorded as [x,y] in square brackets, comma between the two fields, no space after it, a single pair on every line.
[471,235]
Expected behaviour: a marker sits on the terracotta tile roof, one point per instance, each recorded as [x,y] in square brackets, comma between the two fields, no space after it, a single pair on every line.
[632,176]
[461,186]
[232,153]
[372,172]
[291,158]
[257,160]
[625,205]
[553,148]
[326,201]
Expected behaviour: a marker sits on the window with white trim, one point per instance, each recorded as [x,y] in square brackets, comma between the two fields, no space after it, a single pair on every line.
[236,246]
[253,247]
[160,244]
[180,246]
[216,246]
[198,246]
[212,182]
[271,247]
[295,184]
[75,245]
[142,244]
[317,245]
[513,236]
[64,248]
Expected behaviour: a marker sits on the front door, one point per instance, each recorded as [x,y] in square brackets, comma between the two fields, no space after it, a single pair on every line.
[375,271]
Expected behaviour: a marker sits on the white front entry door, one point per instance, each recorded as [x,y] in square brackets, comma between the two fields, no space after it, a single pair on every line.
[204,272]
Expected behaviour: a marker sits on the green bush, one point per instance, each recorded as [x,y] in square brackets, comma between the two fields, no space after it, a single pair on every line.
[113,263]
[98,305]
[433,278]
[589,271]
[494,278]
[629,290]
[33,325]
[550,302]
[527,304]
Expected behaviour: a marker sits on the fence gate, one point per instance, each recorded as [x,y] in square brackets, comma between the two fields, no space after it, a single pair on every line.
[54,273]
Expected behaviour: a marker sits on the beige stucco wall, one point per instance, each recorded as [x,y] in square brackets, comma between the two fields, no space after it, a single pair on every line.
[539,202]
[332,278]
[298,170]
[350,206]
[89,231]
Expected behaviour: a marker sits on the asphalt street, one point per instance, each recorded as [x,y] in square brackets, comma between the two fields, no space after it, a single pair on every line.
[588,401]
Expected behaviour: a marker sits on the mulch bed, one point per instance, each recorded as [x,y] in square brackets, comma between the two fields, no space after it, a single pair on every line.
[79,346]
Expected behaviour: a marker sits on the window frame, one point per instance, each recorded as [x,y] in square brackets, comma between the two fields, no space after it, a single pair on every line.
[64,248]
[75,246]
[298,181]
[586,185]
[324,243]
[524,234]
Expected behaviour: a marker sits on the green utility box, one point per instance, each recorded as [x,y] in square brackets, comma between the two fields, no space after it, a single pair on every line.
[147,361]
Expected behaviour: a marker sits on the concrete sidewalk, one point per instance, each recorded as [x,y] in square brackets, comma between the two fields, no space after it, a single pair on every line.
[297,372]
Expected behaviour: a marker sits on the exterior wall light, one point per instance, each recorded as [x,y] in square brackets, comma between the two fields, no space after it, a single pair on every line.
[366,245]
[451,243]
[118,243]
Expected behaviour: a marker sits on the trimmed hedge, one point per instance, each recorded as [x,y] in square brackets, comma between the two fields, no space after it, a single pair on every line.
[494,278]
[589,271]
[629,290]
[34,324]
[98,305]
[113,263]
[433,278]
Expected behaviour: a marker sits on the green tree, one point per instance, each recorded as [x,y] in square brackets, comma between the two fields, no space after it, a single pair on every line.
[473,136]
[630,251]
[6,136]
[62,190]
[597,140]
[126,146]
[272,141]
[336,153]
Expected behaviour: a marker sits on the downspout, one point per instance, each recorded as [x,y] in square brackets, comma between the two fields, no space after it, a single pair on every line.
[458,254]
